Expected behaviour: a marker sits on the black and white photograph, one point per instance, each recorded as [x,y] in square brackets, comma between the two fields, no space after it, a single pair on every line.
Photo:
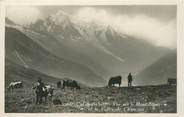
[90,59]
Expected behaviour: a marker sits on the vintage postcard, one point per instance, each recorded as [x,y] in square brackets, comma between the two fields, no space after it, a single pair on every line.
[90,58]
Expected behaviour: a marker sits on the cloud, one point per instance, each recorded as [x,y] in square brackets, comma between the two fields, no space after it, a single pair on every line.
[141,26]
[23,14]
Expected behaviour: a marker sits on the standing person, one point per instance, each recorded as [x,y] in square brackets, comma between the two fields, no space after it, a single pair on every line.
[129,80]
[39,91]
[59,84]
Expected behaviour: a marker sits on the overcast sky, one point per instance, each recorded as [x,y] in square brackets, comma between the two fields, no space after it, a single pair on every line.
[156,24]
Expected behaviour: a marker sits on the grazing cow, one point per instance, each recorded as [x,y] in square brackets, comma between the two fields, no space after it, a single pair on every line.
[70,83]
[171,81]
[59,84]
[14,85]
[114,80]
[46,91]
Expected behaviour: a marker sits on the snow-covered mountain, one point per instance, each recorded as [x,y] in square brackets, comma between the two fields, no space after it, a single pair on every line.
[103,44]
[103,49]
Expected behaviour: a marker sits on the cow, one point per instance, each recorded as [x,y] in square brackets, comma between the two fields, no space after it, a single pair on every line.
[14,85]
[114,80]
[70,83]
[171,81]
[46,91]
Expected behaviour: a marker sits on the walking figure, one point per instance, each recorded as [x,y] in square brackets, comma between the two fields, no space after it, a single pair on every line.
[129,80]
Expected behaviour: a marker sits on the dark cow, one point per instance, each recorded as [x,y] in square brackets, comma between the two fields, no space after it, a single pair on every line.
[14,85]
[46,91]
[171,81]
[70,83]
[114,80]
[59,84]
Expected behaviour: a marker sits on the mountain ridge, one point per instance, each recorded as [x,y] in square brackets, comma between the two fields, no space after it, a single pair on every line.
[160,71]
[22,48]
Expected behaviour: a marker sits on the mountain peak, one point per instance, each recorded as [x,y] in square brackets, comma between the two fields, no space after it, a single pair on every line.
[60,18]
[61,13]
[110,32]
[110,28]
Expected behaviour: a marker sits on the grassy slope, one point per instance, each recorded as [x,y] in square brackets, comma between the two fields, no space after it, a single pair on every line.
[154,99]
[15,72]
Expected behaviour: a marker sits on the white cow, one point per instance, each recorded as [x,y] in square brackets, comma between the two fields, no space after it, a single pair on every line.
[13,85]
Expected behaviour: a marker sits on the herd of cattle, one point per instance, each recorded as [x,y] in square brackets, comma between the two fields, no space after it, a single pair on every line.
[67,83]
[48,89]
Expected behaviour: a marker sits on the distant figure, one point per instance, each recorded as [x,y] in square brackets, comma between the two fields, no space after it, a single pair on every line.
[39,91]
[114,80]
[42,90]
[129,80]
[59,84]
